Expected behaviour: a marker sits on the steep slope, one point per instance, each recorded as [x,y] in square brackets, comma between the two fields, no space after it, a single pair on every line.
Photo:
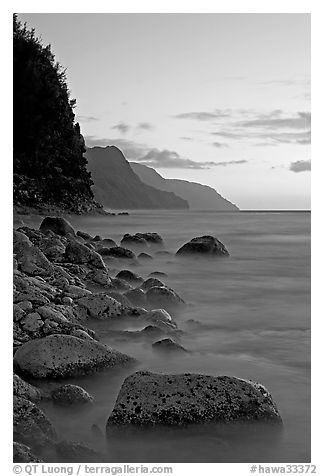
[199,197]
[117,186]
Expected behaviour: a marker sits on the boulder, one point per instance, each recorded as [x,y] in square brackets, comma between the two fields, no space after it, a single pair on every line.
[155,274]
[32,322]
[129,276]
[25,390]
[99,276]
[120,253]
[168,345]
[166,298]
[203,245]
[150,282]
[149,399]
[134,242]
[57,225]
[23,454]
[31,260]
[30,425]
[84,235]
[154,239]
[101,306]
[77,253]
[58,356]
[136,296]
[70,394]
[160,318]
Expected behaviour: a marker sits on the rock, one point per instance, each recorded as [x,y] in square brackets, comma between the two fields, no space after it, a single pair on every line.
[101,306]
[32,322]
[81,334]
[144,256]
[152,331]
[67,301]
[25,305]
[57,225]
[108,242]
[84,235]
[57,356]
[136,296]
[164,297]
[203,245]
[30,259]
[18,312]
[75,452]
[76,292]
[153,239]
[70,394]
[52,247]
[99,276]
[23,454]
[30,425]
[121,298]
[134,242]
[120,285]
[163,253]
[53,314]
[160,318]
[77,253]
[25,390]
[129,276]
[121,253]
[150,282]
[168,345]
[97,238]
[149,399]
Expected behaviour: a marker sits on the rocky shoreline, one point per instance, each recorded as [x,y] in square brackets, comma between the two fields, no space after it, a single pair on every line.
[63,280]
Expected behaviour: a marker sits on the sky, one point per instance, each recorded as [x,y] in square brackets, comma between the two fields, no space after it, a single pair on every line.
[220,99]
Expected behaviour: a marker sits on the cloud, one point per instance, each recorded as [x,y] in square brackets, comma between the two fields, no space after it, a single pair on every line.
[300,166]
[145,126]
[219,144]
[86,118]
[122,127]
[274,137]
[301,121]
[132,150]
[186,138]
[204,115]
[171,159]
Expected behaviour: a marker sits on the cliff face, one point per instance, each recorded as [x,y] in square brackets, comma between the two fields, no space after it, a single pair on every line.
[199,197]
[117,186]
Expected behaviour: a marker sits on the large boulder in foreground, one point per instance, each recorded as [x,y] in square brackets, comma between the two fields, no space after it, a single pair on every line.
[57,356]
[203,245]
[147,399]
[57,225]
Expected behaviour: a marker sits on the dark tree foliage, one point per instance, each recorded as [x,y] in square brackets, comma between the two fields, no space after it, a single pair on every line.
[49,167]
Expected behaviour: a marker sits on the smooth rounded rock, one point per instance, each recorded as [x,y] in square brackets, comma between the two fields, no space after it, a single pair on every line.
[203,245]
[58,225]
[70,395]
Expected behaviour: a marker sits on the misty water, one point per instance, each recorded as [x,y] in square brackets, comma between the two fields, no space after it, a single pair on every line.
[249,316]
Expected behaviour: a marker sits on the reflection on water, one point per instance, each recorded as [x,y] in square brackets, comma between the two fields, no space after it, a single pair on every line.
[248,316]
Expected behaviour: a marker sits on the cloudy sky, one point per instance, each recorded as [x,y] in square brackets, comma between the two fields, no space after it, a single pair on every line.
[221,99]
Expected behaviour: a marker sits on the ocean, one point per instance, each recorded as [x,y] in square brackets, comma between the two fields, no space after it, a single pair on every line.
[247,316]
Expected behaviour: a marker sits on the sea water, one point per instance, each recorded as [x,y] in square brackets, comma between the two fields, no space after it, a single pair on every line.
[247,316]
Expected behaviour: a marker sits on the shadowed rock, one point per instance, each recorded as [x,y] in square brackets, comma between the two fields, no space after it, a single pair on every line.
[77,253]
[203,245]
[148,399]
[58,225]
[168,345]
[163,297]
[65,356]
[25,390]
[129,276]
[23,454]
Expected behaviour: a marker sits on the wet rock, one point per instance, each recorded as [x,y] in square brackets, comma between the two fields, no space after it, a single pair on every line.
[101,306]
[25,390]
[30,425]
[168,345]
[108,242]
[129,276]
[155,274]
[99,276]
[64,356]
[136,296]
[203,245]
[120,285]
[84,235]
[154,239]
[144,257]
[134,242]
[160,318]
[148,399]
[78,253]
[76,452]
[121,253]
[23,454]
[121,298]
[70,395]
[166,298]
[163,253]
[150,282]
[58,225]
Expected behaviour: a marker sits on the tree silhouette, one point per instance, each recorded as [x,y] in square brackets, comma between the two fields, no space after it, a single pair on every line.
[49,167]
